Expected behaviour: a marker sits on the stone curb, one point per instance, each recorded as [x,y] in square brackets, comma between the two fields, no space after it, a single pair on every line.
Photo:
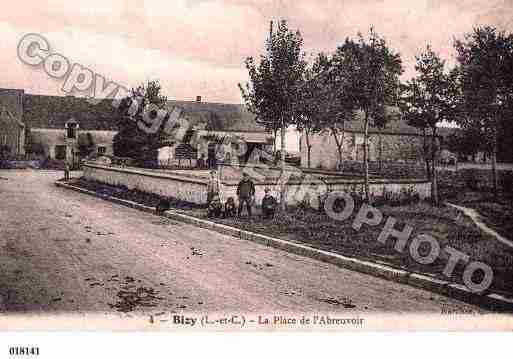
[493,301]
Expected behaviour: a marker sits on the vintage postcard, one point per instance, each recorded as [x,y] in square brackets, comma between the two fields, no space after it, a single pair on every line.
[243,165]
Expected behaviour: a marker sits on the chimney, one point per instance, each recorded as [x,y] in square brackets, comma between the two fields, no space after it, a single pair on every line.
[198,98]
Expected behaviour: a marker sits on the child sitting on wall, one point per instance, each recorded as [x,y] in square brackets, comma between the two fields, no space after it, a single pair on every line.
[229,208]
[215,207]
[162,206]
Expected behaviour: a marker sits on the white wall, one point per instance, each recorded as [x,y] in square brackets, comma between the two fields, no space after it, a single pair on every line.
[190,190]
[195,190]
[49,138]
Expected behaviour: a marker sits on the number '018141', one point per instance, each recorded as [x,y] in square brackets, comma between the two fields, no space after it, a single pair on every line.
[19,351]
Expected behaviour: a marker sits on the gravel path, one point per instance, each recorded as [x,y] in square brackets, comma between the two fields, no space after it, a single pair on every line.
[476,218]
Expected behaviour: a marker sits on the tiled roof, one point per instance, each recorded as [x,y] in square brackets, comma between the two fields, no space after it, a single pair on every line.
[41,111]
[218,116]
[395,126]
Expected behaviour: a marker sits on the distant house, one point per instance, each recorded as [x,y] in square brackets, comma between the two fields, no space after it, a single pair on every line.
[12,134]
[69,128]
[397,142]
[62,126]
[225,133]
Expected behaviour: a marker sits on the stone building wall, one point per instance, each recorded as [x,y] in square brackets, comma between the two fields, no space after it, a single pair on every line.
[51,138]
[392,147]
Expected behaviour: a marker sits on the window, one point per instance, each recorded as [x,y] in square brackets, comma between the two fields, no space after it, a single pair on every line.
[102,150]
[60,152]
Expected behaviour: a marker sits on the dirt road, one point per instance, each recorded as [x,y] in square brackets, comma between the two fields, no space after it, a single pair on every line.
[65,252]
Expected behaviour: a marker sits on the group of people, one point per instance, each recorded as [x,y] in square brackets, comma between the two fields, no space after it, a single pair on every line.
[245,196]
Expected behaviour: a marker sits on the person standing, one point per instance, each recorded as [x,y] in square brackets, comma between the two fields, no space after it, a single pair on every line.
[213,186]
[201,162]
[66,171]
[246,193]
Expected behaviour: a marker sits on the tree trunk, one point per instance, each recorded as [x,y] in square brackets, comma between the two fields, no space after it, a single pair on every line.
[426,156]
[434,184]
[380,152]
[274,143]
[282,155]
[365,157]
[308,148]
[494,165]
[340,145]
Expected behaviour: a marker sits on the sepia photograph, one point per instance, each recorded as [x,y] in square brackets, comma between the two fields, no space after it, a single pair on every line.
[243,166]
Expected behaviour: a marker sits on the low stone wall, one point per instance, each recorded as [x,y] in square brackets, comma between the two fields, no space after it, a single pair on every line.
[388,169]
[194,190]
[480,178]
[186,189]
[295,192]
[264,172]
[15,164]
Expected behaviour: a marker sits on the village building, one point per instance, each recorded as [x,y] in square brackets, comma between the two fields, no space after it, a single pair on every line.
[397,142]
[224,134]
[72,128]
[12,134]
[62,128]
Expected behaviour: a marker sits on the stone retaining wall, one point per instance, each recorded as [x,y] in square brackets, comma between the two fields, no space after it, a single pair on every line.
[8,164]
[480,178]
[388,169]
[194,190]
[186,189]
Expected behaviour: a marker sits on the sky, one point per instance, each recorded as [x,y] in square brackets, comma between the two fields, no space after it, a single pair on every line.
[198,47]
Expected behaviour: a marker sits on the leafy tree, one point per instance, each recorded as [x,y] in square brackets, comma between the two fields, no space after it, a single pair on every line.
[334,108]
[318,105]
[138,136]
[366,75]
[485,57]
[464,143]
[274,89]
[32,147]
[505,137]
[415,119]
[5,151]
[85,144]
[28,139]
[428,99]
